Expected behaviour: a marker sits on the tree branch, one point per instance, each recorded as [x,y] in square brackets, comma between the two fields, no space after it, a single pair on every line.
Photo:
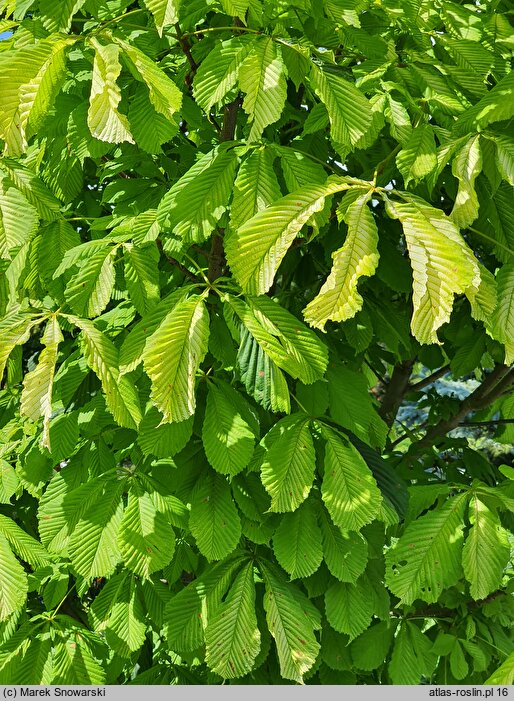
[176,264]
[416,386]
[396,388]
[485,394]
[217,253]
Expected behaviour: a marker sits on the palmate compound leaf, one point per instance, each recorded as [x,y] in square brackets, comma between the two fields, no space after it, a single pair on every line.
[349,489]
[255,250]
[232,636]
[217,74]
[486,551]
[442,264]
[229,429]
[262,78]
[172,356]
[146,538]
[104,120]
[214,521]
[503,318]
[287,470]
[292,619]
[297,541]
[102,357]
[338,299]
[427,557]
[36,396]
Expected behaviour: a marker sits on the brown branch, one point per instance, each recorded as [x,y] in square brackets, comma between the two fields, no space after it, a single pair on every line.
[186,48]
[416,386]
[396,388]
[217,260]
[435,612]
[176,264]
[491,422]
[485,394]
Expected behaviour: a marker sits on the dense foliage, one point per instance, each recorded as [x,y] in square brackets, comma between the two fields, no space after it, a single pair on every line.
[242,243]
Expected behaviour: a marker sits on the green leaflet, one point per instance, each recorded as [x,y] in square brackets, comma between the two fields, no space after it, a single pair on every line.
[412,657]
[307,355]
[142,276]
[194,205]
[57,14]
[214,520]
[256,187]
[165,12]
[217,74]
[345,552]
[93,545]
[262,78]
[255,250]
[189,612]
[18,220]
[486,550]
[32,188]
[495,106]
[15,329]
[104,120]
[163,93]
[288,466]
[338,299]
[145,538]
[232,636]
[435,247]
[466,166]
[349,490]
[36,398]
[119,613]
[292,620]
[349,607]
[13,581]
[418,155]
[229,429]
[172,356]
[369,650]
[90,289]
[427,556]
[503,318]
[348,110]
[297,541]
[102,357]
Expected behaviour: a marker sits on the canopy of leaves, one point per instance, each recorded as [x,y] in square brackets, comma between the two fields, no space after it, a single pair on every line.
[256,342]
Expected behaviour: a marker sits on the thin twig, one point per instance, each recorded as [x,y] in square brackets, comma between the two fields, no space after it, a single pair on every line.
[416,386]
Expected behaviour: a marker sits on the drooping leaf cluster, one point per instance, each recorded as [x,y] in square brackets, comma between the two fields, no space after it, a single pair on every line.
[238,240]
